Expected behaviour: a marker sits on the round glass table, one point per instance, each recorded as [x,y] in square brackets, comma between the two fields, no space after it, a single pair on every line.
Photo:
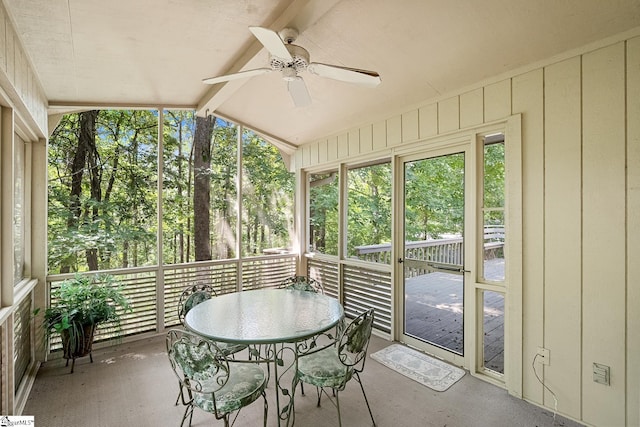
[262,319]
[264,316]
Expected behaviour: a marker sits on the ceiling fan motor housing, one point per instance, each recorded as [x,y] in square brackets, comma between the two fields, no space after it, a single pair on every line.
[290,69]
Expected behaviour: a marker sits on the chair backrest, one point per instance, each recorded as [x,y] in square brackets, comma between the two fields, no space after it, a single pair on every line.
[354,341]
[196,361]
[302,283]
[192,296]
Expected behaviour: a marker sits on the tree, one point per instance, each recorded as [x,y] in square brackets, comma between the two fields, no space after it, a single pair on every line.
[101,190]
[202,186]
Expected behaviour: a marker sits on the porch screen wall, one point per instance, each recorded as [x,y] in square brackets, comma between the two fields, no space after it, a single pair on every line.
[580,179]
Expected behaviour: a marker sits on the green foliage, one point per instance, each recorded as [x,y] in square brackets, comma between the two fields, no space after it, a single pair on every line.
[117,224]
[114,222]
[83,301]
[369,206]
[323,212]
[267,203]
[434,197]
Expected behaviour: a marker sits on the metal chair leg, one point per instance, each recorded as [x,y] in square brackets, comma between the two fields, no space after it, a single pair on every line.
[188,412]
[266,408]
[357,377]
[338,406]
[179,394]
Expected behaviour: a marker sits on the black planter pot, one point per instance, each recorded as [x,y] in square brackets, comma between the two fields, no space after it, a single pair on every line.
[81,346]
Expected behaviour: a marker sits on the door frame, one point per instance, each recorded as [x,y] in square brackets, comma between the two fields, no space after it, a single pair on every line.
[513,325]
[447,147]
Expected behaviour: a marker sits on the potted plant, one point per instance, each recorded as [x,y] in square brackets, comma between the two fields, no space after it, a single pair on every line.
[78,306]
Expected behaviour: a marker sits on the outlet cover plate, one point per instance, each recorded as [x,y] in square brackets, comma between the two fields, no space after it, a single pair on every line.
[601,374]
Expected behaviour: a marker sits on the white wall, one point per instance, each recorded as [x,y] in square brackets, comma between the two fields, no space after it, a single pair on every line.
[24,114]
[581,215]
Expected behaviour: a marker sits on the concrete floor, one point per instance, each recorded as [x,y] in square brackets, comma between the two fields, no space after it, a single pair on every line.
[132,384]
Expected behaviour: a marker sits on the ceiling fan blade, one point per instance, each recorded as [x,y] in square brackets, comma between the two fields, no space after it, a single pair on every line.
[299,93]
[235,76]
[272,42]
[345,74]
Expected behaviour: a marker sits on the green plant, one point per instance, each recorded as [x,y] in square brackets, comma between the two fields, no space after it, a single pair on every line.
[78,305]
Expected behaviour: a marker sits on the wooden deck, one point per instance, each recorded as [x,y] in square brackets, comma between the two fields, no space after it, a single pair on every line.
[433,311]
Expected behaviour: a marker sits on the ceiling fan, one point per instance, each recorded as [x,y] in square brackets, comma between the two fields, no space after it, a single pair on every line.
[291,60]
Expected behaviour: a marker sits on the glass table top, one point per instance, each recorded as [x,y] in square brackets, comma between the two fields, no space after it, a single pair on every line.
[264,316]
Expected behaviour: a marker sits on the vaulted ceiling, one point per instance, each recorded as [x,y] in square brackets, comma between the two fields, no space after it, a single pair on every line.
[131,53]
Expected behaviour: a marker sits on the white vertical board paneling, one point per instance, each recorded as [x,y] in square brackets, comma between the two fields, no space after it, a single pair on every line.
[448,115]
[379,135]
[354,142]
[394,131]
[604,197]
[298,160]
[314,152]
[410,126]
[366,139]
[306,155]
[471,108]
[7,169]
[428,118]
[633,232]
[562,235]
[3,39]
[528,100]
[333,148]
[10,47]
[343,146]
[323,149]
[497,100]
[21,73]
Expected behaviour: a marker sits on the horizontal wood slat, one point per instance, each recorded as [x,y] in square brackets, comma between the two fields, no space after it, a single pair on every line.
[365,289]
[141,284]
[326,273]
[22,340]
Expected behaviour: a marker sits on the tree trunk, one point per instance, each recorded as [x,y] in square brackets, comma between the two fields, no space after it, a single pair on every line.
[88,134]
[202,187]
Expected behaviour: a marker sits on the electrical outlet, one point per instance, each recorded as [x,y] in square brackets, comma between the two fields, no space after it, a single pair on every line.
[601,374]
[543,356]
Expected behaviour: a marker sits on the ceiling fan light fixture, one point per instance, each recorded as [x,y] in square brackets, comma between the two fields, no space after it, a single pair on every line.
[290,74]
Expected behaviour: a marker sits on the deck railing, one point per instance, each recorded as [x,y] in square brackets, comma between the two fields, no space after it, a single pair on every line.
[154,291]
[446,252]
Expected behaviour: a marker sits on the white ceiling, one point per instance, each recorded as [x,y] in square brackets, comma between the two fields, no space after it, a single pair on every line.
[136,52]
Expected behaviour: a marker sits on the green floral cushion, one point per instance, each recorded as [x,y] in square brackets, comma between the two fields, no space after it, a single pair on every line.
[302,283]
[324,369]
[195,299]
[246,384]
[302,286]
[229,349]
